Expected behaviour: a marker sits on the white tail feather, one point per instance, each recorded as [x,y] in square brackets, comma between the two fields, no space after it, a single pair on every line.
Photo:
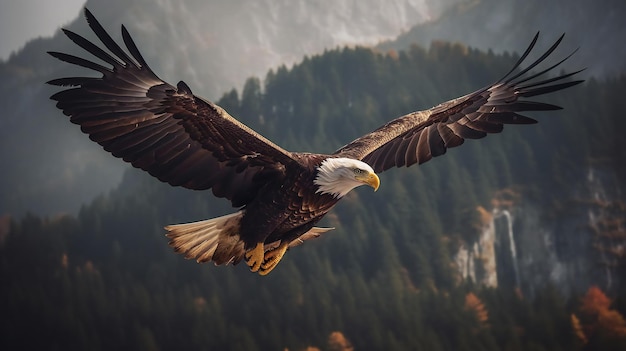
[215,239]
[218,240]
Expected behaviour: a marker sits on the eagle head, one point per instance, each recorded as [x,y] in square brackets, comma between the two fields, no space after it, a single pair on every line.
[337,176]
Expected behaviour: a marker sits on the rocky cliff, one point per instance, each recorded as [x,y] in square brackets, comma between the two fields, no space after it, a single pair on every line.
[573,244]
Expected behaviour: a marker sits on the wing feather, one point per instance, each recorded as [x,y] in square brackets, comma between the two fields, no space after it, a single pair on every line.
[411,155]
[419,136]
[449,138]
[163,129]
[401,150]
[435,142]
[423,151]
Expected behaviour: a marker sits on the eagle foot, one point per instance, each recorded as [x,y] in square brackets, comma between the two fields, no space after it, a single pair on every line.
[272,258]
[255,257]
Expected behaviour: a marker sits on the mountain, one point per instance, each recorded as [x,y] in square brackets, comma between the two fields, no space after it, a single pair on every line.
[212,45]
[544,206]
[215,46]
[598,30]
[489,247]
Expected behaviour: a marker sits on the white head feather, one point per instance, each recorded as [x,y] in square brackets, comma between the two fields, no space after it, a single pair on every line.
[337,176]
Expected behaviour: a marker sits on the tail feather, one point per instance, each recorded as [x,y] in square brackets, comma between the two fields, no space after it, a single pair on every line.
[230,249]
[218,239]
[215,239]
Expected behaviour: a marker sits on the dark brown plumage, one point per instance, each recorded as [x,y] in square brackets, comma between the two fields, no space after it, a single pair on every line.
[187,141]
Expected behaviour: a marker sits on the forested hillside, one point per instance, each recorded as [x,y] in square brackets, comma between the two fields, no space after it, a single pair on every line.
[385,278]
[502,24]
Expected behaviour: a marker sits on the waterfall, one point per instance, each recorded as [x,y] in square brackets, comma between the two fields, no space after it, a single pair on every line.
[497,213]
[598,194]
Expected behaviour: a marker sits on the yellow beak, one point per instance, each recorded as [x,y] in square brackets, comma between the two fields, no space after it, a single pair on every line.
[370,179]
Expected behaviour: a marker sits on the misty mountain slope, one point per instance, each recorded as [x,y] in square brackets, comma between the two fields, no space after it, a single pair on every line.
[212,45]
[597,28]
[385,277]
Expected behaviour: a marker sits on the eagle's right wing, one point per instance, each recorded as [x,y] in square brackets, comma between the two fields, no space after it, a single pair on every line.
[175,136]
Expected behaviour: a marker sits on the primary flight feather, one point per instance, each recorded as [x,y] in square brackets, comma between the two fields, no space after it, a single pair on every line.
[187,141]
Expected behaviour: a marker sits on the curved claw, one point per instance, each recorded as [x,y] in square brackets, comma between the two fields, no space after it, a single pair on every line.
[272,258]
[255,257]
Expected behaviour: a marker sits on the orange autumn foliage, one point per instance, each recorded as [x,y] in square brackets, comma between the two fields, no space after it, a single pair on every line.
[338,342]
[594,301]
[578,329]
[473,303]
[597,317]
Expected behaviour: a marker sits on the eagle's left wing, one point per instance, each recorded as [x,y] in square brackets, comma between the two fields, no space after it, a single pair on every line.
[419,136]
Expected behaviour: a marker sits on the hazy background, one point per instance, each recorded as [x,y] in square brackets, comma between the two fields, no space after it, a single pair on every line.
[23,20]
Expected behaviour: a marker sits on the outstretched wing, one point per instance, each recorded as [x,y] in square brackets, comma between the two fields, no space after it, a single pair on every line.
[177,137]
[419,136]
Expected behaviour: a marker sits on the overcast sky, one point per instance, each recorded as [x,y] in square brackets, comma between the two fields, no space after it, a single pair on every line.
[22,20]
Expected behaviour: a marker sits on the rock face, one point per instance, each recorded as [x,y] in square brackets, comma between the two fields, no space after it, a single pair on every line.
[477,261]
[575,244]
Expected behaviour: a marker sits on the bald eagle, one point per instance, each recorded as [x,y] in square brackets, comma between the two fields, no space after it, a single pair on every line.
[280,196]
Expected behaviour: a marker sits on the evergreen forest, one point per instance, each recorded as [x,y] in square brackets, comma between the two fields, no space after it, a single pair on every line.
[385,279]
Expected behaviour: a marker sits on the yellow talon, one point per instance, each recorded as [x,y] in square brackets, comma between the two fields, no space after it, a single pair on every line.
[255,257]
[272,258]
